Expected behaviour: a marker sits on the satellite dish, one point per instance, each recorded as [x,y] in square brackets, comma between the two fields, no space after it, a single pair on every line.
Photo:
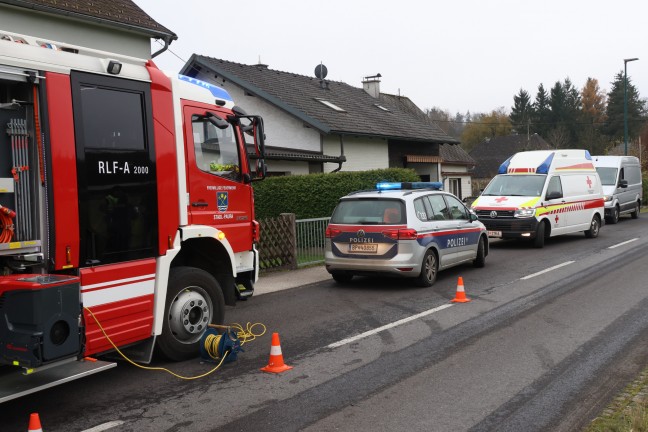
[321,71]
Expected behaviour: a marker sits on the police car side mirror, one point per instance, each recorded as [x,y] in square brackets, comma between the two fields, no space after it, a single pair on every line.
[473,217]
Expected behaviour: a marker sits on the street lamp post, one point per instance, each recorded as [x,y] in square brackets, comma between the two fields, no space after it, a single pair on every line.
[625,102]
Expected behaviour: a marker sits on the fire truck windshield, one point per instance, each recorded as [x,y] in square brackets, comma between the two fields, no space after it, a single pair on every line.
[216,147]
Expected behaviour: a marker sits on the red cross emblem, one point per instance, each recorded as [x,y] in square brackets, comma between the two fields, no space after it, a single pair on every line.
[589,182]
[500,199]
[557,218]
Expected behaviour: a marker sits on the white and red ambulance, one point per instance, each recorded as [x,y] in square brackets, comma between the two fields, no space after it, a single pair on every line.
[541,194]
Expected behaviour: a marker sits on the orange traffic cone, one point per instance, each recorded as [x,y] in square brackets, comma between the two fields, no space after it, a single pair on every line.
[276,363]
[460,297]
[34,423]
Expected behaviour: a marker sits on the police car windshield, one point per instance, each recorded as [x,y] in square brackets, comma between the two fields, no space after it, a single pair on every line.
[369,211]
[515,185]
[608,175]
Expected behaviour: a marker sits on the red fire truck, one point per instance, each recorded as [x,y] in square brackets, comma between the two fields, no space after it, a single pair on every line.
[125,204]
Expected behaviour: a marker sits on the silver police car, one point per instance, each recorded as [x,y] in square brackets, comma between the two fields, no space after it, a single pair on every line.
[403,229]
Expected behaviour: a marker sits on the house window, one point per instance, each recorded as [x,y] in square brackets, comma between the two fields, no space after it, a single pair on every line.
[330,105]
[455,186]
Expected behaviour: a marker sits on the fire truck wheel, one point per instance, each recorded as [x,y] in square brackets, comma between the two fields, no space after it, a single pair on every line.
[194,300]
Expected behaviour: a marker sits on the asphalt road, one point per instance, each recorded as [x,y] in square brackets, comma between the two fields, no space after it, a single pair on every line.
[533,350]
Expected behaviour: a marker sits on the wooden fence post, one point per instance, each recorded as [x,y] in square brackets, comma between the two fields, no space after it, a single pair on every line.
[291,223]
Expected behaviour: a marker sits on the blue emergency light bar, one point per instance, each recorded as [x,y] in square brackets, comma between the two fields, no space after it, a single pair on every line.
[216,91]
[383,186]
[543,168]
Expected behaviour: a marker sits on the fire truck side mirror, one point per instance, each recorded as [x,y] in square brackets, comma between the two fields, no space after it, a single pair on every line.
[217,121]
[260,170]
[259,136]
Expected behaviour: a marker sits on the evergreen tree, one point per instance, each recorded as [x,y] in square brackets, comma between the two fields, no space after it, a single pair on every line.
[614,126]
[521,111]
[572,116]
[557,104]
[541,113]
[564,102]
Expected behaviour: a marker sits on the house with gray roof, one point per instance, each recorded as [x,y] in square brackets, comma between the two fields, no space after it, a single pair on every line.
[117,26]
[492,152]
[316,125]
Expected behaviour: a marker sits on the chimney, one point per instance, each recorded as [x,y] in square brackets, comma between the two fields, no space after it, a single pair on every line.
[371,85]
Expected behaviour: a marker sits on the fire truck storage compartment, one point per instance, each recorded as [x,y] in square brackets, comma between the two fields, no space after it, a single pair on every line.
[39,319]
[19,165]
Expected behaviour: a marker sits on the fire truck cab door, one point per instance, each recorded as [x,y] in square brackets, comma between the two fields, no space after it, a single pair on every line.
[216,161]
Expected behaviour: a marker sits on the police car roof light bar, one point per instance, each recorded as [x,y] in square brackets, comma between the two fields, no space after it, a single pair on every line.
[383,186]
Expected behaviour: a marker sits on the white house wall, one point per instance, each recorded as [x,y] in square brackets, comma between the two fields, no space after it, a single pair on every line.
[458,170]
[429,169]
[282,130]
[74,32]
[361,153]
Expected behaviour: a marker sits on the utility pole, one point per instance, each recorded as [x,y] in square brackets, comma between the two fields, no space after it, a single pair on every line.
[625,102]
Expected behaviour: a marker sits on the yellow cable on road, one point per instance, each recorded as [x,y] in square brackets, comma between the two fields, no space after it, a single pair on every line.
[244,335]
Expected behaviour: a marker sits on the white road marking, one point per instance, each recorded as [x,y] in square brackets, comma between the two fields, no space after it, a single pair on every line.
[547,270]
[105,426]
[388,326]
[624,243]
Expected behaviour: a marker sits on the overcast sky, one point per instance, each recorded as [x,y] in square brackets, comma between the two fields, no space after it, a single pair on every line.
[470,55]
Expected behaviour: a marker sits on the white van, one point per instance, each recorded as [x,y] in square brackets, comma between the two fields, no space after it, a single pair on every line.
[541,194]
[621,181]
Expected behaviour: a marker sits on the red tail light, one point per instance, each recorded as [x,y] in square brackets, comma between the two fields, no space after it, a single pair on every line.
[407,234]
[401,234]
[392,234]
[332,232]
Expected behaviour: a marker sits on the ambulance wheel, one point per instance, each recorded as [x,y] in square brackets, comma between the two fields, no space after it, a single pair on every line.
[593,232]
[194,300]
[429,269]
[539,240]
[480,260]
[614,215]
[635,213]
[342,277]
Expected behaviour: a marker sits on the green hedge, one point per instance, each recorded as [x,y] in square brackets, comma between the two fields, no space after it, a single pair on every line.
[316,195]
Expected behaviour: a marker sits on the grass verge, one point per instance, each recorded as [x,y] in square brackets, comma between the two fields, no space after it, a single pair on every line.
[627,412]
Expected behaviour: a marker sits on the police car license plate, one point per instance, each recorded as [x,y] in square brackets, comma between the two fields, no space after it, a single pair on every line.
[495,234]
[363,248]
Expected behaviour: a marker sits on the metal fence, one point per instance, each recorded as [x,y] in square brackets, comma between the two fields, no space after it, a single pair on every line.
[310,240]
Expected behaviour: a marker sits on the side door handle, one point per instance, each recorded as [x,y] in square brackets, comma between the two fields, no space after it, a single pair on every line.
[199,204]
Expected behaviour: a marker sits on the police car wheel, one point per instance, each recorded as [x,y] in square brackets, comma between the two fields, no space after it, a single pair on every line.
[480,260]
[341,277]
[194,300]
[429,269]
[614,215]
[593,232]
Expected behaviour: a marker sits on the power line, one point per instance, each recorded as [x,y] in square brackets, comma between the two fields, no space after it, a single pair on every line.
[171,51]
[539,123]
